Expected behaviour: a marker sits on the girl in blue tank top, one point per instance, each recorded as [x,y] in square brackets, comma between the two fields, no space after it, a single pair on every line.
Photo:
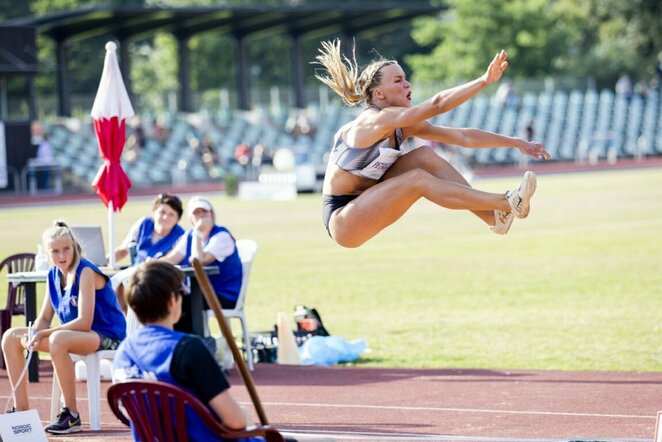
[90,317]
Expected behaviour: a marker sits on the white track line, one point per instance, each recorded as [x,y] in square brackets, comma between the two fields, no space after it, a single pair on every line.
[458,410]
[369,436]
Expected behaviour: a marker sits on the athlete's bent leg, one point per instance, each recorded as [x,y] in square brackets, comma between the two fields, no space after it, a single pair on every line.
[425,158]
[385,202]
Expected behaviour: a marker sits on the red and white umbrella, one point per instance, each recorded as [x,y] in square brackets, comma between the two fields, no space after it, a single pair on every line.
[110,110]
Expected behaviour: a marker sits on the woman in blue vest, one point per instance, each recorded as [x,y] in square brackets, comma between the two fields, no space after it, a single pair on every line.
[156,351]
[90,317]
[213,245]
[153,237]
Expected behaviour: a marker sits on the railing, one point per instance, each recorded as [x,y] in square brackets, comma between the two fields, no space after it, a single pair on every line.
[29,177]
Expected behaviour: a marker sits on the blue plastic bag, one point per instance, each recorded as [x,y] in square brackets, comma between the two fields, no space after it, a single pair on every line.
[330,350]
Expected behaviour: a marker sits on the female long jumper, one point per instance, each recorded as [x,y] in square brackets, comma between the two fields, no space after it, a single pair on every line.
[372,179]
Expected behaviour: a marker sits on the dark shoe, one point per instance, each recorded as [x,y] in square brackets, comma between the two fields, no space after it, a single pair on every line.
[65,423]
[10,410]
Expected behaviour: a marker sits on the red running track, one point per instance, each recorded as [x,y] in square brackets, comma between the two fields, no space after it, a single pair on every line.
[349,403]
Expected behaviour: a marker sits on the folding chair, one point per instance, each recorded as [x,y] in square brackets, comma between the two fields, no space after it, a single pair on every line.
[158,412]
[21,262]
[247,249]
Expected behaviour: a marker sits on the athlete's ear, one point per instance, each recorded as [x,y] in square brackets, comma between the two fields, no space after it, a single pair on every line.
[377,93]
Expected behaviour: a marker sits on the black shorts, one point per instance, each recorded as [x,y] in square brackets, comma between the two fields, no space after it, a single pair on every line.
[331,203]
[106,343]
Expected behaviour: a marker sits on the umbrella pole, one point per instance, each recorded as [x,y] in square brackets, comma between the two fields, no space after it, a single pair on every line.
[212,300]
[111,235]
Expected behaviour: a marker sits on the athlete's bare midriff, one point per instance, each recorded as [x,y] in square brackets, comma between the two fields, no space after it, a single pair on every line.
[340,182]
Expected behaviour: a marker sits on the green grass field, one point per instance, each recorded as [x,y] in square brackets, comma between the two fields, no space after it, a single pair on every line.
[576,286]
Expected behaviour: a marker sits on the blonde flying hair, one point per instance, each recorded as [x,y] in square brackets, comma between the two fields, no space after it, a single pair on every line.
[343,74]
[60,229]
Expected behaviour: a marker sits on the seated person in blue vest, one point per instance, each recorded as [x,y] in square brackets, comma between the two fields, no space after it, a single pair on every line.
[213,245]
[90,317]
[156,351]
[152,237]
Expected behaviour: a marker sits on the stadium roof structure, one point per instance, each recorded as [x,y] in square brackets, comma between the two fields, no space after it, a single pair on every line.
[303,21]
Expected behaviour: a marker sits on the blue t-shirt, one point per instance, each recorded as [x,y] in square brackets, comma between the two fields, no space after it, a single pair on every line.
[152,352]
[160,248]
[108,317]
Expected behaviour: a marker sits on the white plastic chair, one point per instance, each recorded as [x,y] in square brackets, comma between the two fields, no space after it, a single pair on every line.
[92,363]
[247,249]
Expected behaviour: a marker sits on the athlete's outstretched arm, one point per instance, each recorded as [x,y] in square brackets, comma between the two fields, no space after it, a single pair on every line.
[445,100]
[476,138]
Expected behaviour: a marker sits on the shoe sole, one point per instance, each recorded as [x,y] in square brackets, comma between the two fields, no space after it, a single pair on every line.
[76,429]
[529,185]
[504,228]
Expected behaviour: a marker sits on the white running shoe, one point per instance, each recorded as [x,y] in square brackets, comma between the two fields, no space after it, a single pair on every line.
[520,198]
[503,221]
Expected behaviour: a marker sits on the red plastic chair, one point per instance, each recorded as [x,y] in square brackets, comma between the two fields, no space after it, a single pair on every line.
[157,410]
[21,262]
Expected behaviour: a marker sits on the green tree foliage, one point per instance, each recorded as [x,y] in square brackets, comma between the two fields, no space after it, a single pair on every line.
[85,57]
[154,70]
[11,9]
[599,38]
[578,38]
[470,33]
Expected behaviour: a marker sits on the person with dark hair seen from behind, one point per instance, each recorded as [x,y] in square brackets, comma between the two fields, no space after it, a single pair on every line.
[90,317]
[529,130]
[152,236]
[373,177]
[156,351]
[213,245]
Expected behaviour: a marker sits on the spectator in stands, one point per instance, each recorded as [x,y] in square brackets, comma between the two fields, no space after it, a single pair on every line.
[44,157]
[90,317]
[243,153]
[156,351]
[139,132]
[624,86]
[641,89]
[152,236]
[160,131]
[212,245]
[529,130]
[506,95]
[370,182]
[524,160]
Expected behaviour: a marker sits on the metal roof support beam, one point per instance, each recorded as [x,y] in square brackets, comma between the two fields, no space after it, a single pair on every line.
[125,65]
[184,102]
[298,72]
[243,74]
[32,98]
[63,95]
